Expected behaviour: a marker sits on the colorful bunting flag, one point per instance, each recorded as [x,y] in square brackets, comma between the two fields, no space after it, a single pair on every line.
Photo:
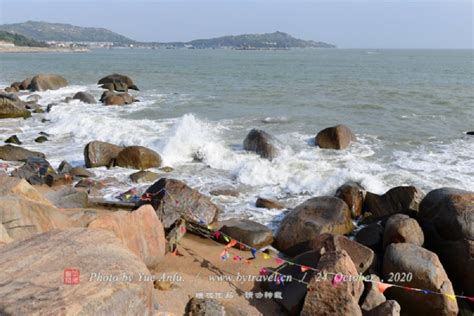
[209,227]
[338,278]
[383,286]
[231,244]
[471,299]
[237,258]
[452,297]
[278,261]
[304,268]
[254,252]
[263,271]
[217,234]
[175,252]
[266,256]
[226,238]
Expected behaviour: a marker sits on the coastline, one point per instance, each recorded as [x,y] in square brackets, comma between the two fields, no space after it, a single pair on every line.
[24,49]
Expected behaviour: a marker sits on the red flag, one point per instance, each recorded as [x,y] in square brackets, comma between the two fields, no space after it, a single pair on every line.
[278,261]
[304,268]
[217,234]
[471,299]
[383,286]
[231,244]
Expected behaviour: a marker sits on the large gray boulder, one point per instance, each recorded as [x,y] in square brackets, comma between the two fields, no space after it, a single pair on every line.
[417,268]
[16,153]
[138,157]
[44,82]
[34,275]
[264,144]
[447,219]
[308,220]
[100,154]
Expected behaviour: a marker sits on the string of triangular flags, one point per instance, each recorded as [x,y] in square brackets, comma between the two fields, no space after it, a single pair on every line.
[231,242]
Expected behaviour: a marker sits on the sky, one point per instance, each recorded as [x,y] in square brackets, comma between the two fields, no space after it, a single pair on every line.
[345,23]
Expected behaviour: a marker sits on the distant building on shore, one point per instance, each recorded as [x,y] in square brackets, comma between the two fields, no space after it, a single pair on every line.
[62,44]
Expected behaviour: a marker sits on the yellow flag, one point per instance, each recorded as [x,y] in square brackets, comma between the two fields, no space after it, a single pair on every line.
[226,238]
[266,256]
[452,297]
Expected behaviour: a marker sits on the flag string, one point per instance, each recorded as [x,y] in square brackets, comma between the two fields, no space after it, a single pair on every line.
[232,242]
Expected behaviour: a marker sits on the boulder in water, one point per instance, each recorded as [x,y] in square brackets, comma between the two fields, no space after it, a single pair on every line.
[262,143]
[100,154]
[13,140]
[269,204]
[12,107]
[44,82]
[84,97]
[25,84]
[144,176]
[138,157]
[118,80]
[16,153]
[335,137]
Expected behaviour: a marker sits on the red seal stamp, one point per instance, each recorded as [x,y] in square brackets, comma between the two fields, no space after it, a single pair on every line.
[71,276]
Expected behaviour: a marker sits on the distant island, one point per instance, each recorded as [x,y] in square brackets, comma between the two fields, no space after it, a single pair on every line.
[66,35]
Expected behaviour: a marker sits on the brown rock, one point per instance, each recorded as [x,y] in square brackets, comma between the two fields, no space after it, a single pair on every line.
[84,97]
[68,197]
[371,236]
[32,273]
[144,176]
[12,107]
[141,231]
[325,299]
[205,307]
[353,194]
[81,173]
[372,296]
[25,84]
[362,257]
[4,237]
[335,137]
[226,192]
[44,82]
[16,153]
[262,143]
[388,308]
[249,232]
[447,217]
[173,199]
[118,79]
[397,200]
[269,204]
[138,157]
[308,220]
[402,228]
[24,211]
[426,272]
[13,140]
[100,154]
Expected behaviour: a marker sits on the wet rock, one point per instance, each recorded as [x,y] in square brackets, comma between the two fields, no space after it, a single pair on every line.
[84,97]
[41,139]
[24,211]
[92,251]
[13,140]
[12,107]
[81,173]
[119,81]
[446,217]
[371,236]
[173,199]
[205,307]
[64,167]
[16,153]
[404,199]
[402,228]
[35,171]
[138,157]
[362,257]
[353,194]
[225,192]
[269,204]
[372,296]
[144,176]
[110,98]
[25,84]
[100,154]
[426,272]
[470,133]
[34,98]
[68,198]
[388,308]
[11,89]
[141,231]
[308,220]
[44,82]
[54,180]
[166,169]
[325,299]
[249,232]
[262,143]
[335,137]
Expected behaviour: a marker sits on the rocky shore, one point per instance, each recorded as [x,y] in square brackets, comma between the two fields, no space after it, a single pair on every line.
[166,251]
[24,49]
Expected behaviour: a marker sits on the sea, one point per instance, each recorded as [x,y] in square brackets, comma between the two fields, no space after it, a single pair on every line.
[410,111]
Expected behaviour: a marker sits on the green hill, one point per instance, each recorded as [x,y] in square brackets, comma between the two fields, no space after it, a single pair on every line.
[259,41]
[20,40]
[44,31]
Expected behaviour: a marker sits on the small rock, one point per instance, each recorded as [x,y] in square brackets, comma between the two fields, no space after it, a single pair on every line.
[41,139]
[372,296]
[166,169]
[64,167]
[44,134]
[144,176]
[269,204]
[353,194]
[470,133]
[81,173]
[388,308]
[53,180]
[84,97]
[226,192]
[205,307]
[33,97]
[13,140]
[249,232]
[402,228]
[335,137]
